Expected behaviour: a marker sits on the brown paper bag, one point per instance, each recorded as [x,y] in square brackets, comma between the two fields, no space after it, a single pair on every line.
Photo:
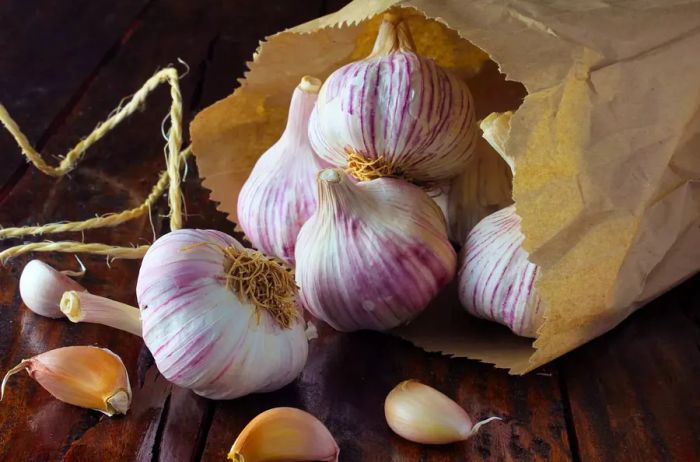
[605,137]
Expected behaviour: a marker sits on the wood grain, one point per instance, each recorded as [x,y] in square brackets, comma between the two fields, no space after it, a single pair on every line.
[634,392]
[50,52]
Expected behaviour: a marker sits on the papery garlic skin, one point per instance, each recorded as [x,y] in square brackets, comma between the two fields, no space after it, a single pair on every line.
[202,336]
[280,193]
[84,376]
[399,106]
[496,279]
[373,254]
[41,288]
[284,434]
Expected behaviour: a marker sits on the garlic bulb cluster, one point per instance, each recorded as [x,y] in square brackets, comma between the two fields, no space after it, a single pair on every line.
[373,254]
[422,414]
[496,279]
[394,113]
[284,434]
[84,376]
[218,318]
[280,194]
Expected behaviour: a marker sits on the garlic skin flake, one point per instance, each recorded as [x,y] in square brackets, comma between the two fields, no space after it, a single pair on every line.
[42,286]
[284,434]
[373,254]
[397,110]
[84,376]
[422,414]
[496,279]
[280,193]
[204,332]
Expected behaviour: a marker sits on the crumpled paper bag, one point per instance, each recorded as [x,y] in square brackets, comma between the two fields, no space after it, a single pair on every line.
[605,138]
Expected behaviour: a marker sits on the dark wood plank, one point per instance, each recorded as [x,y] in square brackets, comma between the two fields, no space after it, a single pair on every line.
[118,174]
[634,392]
[50,51]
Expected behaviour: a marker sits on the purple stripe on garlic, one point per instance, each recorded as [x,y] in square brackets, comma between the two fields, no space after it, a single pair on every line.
[398,106]
[373,254]
[280,193]
[496,279]
[206,336]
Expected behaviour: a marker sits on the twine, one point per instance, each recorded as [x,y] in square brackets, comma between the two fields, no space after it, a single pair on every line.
[170,177]
[74,247]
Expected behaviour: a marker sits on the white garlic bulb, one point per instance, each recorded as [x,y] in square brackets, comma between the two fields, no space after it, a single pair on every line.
[218,318]
[280,193]
[373,254]
[394,113]
[496,279]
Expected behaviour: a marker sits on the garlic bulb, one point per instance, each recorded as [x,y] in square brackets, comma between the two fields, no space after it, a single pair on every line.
[496,279]
[284,434]
[84,376]
[422,414]
[219,319]
[373,254]
[41,288]
[394,113]
[280,194]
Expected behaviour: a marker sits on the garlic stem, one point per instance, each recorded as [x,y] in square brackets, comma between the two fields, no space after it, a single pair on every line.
[310,84]
[393,36]
[86,307]
[481,423]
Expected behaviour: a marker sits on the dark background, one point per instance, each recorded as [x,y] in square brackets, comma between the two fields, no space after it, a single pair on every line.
[631,395]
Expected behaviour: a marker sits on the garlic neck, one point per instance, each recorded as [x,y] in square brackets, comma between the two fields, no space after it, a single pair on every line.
[303,100]
[393,36]
[337,195]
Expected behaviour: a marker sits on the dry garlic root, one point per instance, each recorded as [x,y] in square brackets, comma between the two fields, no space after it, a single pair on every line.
[373,254]
[280,194]
[394,113]
[284,434]
[422,414]
[84,376]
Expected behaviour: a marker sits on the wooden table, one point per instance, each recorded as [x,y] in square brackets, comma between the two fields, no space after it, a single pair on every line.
[629,396]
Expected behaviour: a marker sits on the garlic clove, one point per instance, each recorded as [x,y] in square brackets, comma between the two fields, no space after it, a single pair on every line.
[422,414]
[496,278]
[373,254]
[394,113]
[279,195]
[84,376]
[284,434]
[41,288]
[86,307]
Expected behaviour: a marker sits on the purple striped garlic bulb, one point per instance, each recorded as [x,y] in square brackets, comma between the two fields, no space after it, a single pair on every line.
[280,193]
[496,279]
[373,254]
[394,113]
[218,318]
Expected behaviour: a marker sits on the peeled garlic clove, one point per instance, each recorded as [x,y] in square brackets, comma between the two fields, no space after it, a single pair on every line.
[41,288]
[422,414]
[394,113]
[496,279]
[284,434]
[373,254]
[84,376]
[280,194]
[220,319]
[86,307]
